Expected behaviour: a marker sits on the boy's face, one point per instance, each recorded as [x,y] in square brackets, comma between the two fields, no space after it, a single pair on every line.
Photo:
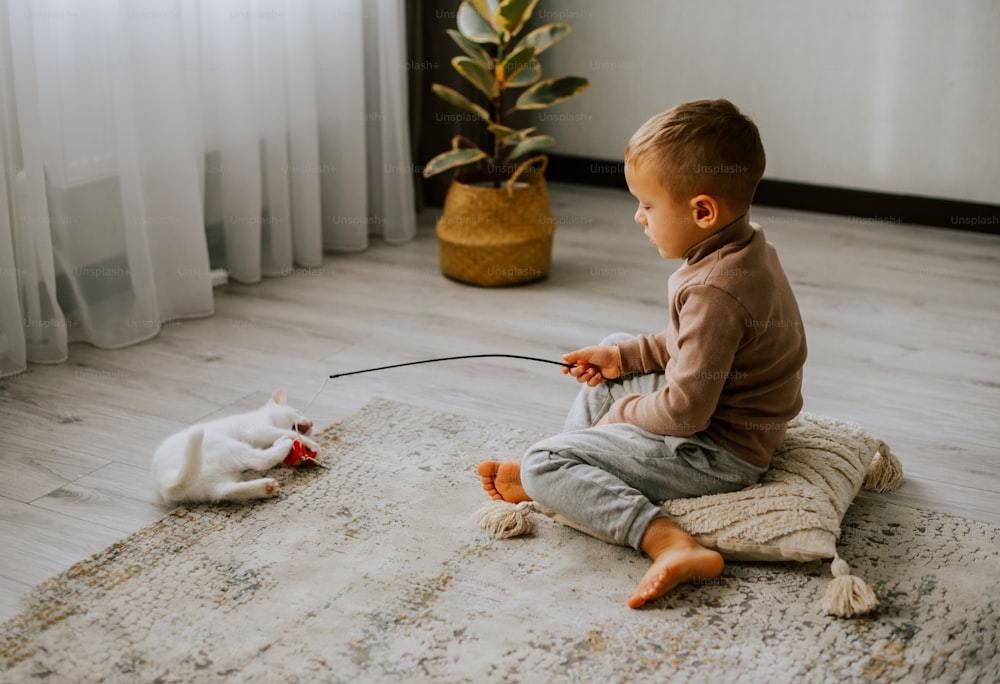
[668,223]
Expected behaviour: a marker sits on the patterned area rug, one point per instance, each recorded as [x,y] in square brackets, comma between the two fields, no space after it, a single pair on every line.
[373,570]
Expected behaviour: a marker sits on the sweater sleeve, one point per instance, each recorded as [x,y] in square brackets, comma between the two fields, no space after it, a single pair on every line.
[711,327]
[644,353]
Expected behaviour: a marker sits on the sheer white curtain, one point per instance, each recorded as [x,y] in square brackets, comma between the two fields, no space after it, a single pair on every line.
[145,142]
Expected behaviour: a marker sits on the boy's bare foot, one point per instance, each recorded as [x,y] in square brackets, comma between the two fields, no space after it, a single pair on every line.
[502,481]
[677,559]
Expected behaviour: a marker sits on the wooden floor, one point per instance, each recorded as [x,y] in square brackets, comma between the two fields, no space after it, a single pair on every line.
[903,326]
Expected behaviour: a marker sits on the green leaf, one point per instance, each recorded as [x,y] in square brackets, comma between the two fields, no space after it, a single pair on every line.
[530,145]
[510,15]
[459,100]
[510,136]
[486,8]
[502,132]
[552,91]
[478,76]
[474,26]
[545,37]
[528,76]
[452,158]
[515,63]
[471,49]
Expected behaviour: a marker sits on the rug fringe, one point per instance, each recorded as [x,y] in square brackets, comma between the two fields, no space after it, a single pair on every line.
[885,472]
[847,595]
[505,520]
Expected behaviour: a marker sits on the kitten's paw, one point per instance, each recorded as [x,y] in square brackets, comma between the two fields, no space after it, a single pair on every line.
[310,444]
[271,487]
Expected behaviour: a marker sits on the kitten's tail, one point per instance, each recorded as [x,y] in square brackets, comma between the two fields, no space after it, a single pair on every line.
[190,468]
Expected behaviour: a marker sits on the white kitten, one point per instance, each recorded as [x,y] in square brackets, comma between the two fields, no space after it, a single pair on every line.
[205,462]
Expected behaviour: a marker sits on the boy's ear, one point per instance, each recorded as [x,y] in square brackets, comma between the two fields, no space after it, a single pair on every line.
[705,210]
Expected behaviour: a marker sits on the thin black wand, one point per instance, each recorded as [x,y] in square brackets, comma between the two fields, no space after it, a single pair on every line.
[453,358]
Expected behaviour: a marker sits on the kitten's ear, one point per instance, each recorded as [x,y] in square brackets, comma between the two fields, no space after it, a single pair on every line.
[279,397]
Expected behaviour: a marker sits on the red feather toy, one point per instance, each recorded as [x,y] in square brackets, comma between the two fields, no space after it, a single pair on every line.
[300,455]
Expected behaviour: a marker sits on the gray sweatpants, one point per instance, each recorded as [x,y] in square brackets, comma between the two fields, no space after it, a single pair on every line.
[608,478]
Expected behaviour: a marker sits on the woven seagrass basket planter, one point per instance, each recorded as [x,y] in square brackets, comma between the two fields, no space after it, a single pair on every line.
[496,236]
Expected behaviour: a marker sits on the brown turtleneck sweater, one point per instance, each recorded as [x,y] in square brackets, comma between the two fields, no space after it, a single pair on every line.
[733,353]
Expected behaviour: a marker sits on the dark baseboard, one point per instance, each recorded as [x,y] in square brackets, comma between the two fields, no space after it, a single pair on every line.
[872,207]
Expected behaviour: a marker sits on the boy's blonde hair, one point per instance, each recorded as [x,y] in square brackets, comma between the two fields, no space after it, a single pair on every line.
[704,147]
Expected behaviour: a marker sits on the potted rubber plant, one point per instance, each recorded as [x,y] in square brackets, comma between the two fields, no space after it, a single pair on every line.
[497,224]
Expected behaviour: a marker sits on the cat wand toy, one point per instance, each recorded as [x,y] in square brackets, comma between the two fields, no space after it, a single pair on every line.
[444,358]
[453,358]
[301,455]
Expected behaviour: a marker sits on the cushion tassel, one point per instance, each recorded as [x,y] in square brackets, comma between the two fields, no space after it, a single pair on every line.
[885,472]
[847,595]
[504,520]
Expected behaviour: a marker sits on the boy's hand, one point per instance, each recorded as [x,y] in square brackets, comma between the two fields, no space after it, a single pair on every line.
[594,365]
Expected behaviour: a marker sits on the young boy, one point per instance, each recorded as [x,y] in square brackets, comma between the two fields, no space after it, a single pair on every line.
[698,408]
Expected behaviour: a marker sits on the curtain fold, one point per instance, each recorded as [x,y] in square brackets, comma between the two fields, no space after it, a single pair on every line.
[146,142]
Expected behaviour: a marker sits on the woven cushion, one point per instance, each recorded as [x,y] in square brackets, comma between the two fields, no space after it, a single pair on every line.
[794,512]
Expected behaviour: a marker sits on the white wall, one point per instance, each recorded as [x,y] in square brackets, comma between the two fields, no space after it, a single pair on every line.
[898,96]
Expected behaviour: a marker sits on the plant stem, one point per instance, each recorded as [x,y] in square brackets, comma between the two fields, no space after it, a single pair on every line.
[498,108]
[498,115]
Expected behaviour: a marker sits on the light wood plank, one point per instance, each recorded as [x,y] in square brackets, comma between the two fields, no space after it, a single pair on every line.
[40,543]
[93,429]
[117,496]
[34,466]
[11,595]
